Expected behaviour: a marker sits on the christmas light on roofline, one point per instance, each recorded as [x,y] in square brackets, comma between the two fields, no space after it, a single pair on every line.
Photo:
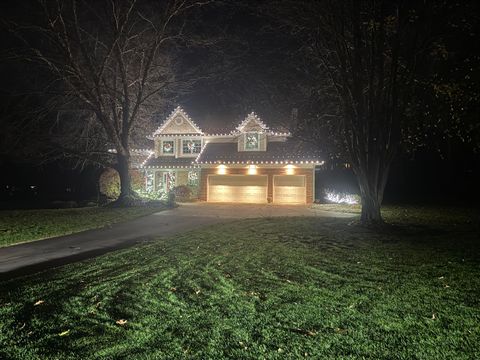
[176,111]
[248,118]
[246,162]
[148,158]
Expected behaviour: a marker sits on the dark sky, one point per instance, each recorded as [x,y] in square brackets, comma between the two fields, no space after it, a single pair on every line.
[222,99]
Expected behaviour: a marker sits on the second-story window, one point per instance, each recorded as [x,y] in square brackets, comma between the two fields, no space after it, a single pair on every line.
[191,146]
[168,147]
[252,141]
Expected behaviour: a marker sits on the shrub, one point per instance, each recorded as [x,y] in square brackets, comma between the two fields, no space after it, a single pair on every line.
[152,194]
[336,197]
[185,192]
[109,182]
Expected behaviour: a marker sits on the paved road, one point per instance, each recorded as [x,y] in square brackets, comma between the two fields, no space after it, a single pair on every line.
[31,257]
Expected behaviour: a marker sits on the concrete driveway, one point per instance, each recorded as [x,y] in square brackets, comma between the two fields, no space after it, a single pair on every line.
[35,256]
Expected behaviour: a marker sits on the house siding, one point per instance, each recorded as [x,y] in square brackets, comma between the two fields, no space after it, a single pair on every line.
[182,178]
[158,144]
[240,142]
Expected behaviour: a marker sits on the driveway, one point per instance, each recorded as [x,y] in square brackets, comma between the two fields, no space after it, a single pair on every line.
[35,256]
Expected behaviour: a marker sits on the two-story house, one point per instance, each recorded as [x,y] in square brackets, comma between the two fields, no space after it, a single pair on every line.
[249,164]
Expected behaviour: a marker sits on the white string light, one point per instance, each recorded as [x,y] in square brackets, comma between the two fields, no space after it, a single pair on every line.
[316,162]
[250,117]
[177,111]
[275,160]
[312,162]
[148,158]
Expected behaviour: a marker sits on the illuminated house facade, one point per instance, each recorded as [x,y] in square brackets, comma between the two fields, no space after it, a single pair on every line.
[249,164]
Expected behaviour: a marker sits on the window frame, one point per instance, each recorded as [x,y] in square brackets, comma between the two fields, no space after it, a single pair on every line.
[257,134]
[192,153]
[172,153]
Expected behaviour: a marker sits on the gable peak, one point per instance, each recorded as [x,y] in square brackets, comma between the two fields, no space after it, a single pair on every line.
[252,117]
[178,113]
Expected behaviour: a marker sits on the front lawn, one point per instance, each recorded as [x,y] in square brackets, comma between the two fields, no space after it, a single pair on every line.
[424,215]
[273,288]
[27,225]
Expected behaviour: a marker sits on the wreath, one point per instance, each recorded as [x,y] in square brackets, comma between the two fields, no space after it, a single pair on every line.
[167,147]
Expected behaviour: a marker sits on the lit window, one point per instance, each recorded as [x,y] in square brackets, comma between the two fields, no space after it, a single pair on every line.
[252,141]
[252,169]
[221,170]
[191,146]
[168,146]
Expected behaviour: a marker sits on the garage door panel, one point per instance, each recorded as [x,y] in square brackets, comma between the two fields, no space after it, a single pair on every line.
[237,180]
[289,189]
[240,188]
[289,180]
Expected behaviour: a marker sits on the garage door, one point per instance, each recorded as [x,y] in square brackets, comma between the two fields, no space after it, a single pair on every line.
[237,188]
[289,189]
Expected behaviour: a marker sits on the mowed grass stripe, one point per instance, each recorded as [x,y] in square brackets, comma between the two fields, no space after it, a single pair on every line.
[257,288]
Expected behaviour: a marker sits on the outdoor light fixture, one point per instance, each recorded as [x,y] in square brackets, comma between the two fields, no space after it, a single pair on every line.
[252,170]
[221,169]
[290,169]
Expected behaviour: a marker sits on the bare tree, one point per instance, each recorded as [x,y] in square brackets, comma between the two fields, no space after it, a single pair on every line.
[112,62]
[364,56]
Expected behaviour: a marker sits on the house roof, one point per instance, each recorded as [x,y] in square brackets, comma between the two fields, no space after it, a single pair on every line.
[178,112]
[168,162]
[249,119]
[289,151]
[232,131]
[203,128]
[138,157]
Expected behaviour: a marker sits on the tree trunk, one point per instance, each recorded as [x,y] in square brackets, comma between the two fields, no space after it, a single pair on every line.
[127,195]
[372,186]
[371,204]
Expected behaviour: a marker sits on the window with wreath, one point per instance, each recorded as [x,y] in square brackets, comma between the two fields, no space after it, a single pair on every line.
[191,146]
[252,141]
[168,146]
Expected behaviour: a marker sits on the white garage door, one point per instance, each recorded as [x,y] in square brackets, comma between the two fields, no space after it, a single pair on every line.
[289,189]
[237,188]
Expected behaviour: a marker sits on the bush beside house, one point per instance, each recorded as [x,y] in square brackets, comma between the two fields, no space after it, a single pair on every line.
[109,182]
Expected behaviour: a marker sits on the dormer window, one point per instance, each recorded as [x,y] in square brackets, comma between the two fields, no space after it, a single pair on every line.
[168,147]
[191,146]
[252,141]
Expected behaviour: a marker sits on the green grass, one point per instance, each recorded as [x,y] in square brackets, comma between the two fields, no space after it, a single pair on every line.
[413,214]
[27,225]
[274,288]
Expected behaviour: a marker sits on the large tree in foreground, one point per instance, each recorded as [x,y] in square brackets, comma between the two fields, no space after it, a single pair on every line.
[363,61]
[110,62]
[366,51]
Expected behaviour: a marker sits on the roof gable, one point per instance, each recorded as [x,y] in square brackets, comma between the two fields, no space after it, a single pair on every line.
[252,123]
[178,122]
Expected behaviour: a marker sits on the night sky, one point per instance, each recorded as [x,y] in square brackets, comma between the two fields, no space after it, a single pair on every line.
[247,69]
